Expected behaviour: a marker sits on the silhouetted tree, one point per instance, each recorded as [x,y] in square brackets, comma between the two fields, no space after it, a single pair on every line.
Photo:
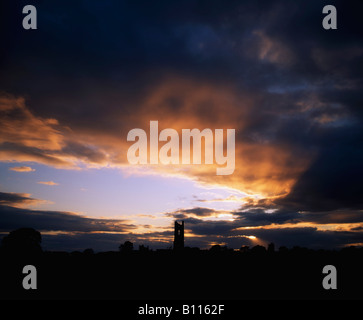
[258,249]
[283,249]
[23,240]
[215,248]
[219,248]
[271,248]
[193,249]
[88,251]
[299,250]
[142,248]
[244,249]
[128,246]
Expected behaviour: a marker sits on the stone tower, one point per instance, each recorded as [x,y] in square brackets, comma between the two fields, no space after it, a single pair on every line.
[178,235]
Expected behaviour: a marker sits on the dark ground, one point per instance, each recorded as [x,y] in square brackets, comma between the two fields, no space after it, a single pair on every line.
[190,274]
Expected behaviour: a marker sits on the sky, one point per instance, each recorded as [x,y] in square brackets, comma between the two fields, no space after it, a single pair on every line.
[71,90]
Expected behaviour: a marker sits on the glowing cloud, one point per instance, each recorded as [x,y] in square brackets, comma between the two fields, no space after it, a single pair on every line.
[22,169]
[48,183]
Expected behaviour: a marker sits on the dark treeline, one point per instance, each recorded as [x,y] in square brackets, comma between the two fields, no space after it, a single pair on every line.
[190,273]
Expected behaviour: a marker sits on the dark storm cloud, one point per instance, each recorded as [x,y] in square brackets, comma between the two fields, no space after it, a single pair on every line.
[13,217]
[124,41]
[194,212]
[109,54]
[259,217]
[198,219]
[334,181]
[334,217]
[11,199]
[216,228]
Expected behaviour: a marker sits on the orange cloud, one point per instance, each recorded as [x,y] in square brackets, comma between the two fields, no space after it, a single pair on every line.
[262,167]
[49,183]
[19,200]
[18,125]
[28,137]
[22,169]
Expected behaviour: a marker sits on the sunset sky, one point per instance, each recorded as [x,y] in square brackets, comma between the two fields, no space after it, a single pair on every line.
[72,89]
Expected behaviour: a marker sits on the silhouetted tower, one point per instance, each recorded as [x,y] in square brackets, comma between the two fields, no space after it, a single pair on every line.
[178,235]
